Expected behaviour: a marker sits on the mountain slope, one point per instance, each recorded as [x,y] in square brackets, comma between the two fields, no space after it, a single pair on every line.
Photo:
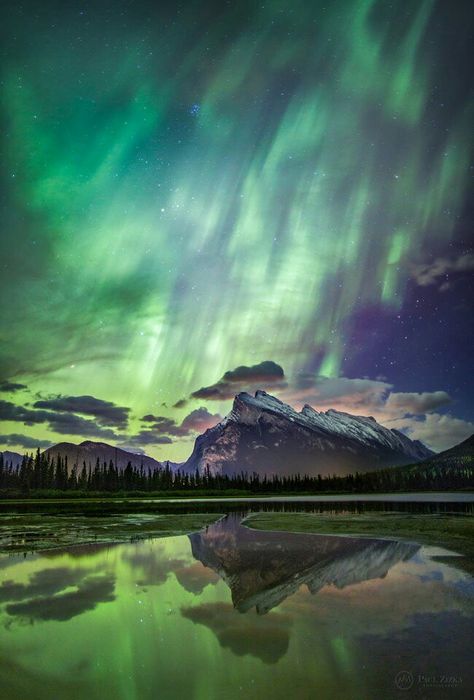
[13,458]
[262,434]
[88,452]
[461,455]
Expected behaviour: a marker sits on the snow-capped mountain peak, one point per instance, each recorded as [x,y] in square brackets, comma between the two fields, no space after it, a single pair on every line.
[263,434]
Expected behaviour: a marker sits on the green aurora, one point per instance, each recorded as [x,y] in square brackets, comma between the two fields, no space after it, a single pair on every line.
[189,191]
[146,620]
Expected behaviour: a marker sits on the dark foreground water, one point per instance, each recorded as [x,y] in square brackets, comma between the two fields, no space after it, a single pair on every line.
[229,612]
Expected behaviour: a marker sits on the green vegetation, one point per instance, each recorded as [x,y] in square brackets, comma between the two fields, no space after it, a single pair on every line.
[36,531]
[454,532]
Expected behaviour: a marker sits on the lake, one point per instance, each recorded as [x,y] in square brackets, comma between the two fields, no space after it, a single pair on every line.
[230,612]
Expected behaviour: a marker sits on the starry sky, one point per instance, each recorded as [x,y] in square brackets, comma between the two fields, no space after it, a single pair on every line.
[200,198]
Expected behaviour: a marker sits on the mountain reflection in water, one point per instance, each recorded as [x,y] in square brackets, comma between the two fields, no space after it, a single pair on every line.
[263,568]
[231,612]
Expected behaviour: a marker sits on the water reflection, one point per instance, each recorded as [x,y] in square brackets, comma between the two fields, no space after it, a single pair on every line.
[263,568]
[47,595]
[230,612]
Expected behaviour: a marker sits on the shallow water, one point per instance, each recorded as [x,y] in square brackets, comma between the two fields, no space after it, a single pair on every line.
[230,612]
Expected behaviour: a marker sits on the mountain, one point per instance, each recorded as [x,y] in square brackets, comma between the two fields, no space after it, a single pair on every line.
[88,452]
[456,457]
[13,458]
[263,568]
[264,435]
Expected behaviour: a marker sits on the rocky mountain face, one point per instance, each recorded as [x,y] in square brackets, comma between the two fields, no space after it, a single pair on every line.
[263,568]
[89,451]
[12,458]
[455,458]
[264,435]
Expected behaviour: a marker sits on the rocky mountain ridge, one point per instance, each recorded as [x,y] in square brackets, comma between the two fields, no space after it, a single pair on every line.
[264,435]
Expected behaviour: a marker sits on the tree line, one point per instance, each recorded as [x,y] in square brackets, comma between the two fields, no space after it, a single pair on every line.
[43,473]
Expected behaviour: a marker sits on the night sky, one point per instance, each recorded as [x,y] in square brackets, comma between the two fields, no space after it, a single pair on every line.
[200,198]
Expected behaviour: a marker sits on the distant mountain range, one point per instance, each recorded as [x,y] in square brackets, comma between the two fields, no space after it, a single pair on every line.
[88,452]
[264,435]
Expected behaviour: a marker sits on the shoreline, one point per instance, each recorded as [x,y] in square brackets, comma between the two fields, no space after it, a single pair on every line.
[395,497]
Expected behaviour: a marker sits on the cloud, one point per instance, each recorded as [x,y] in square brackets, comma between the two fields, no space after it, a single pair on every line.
[197,421]
[63,423]
[105,412]
[416,403]
[41,583]
[94,590]
[70,424]
[438,431]
[24,441]
[151,568]
[166,425]
[410,412]
[430,273]
[267,375]
[404,411]
[264,637]
[157,432]
[266,371]
[11,412]
[10,387]
[180,404]
[46,595]
[341,393]
[196,577]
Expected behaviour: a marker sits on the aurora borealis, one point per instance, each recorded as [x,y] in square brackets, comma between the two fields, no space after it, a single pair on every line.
[145,620]
[191,188]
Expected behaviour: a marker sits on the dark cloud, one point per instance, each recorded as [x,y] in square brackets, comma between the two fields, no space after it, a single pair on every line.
[197,421]
[46,596]
[151,568]
[266,371]
[180,404]
[161,430]
[265,637]
[156,433]
[63,423]
[70,424]
[24,441]
[105,412]
[196,577]
[161,423]
[10,387]
[41,583]
[267,374]
[11,412]
[94,590]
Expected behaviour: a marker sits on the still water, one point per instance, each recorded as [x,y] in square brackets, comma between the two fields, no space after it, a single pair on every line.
[229,612]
